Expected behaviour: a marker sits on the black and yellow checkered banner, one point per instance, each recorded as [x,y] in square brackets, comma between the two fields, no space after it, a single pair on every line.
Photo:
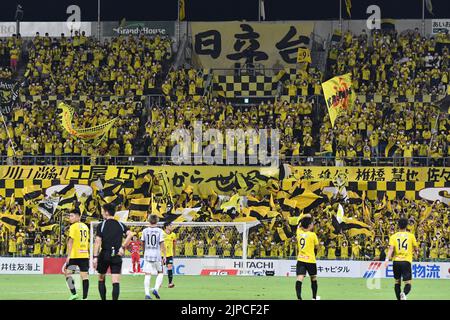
[394,181]
[244,86]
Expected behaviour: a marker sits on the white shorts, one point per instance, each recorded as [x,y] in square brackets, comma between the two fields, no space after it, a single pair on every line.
[152,267]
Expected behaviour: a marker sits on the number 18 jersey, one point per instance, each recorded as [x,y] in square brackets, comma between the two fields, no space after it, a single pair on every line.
[152,238]
[403,243]
[306,241]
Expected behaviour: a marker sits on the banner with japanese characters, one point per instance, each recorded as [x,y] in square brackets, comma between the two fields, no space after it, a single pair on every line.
[21,265]
[274,45]
[374,174]
[440,26]
[431,183]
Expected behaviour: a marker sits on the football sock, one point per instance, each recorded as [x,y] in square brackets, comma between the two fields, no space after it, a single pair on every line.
[159,280]
[170,275]
[298,289]
[134,267]
[407,288]
[314,288]
[102,289]
[147,284]
[397,290]
[71,285]
[116,291]
[85,288]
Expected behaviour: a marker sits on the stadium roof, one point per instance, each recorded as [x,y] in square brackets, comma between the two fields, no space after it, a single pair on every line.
[218,10]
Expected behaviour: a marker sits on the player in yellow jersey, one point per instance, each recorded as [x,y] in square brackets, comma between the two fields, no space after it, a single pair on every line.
[307,241]
[170,240]
[402,245]
[77,254]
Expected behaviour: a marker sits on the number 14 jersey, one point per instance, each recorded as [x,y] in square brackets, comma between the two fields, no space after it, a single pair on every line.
[403,243]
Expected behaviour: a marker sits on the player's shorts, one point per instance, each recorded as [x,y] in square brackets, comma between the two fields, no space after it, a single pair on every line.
[402,269]
[135,257]
[82,263]
[152,267]
[169,260]
[105,261]
[303,267]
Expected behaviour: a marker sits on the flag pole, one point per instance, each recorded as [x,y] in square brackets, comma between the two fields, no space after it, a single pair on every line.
[7,132]
[423,17]
[340,15]
[178,22]
[259,10]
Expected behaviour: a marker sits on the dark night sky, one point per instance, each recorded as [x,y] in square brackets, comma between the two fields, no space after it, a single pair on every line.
[217,10]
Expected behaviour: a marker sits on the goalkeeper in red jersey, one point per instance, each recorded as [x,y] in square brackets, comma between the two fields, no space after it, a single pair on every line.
[135,249]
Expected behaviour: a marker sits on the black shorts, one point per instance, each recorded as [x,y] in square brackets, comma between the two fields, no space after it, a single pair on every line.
[82,263]
[402,269]
[105,261]
[169,260]
[303,267]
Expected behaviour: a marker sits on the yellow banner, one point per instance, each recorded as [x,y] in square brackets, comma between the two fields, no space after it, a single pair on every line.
[304,55]
[32,172]
[373,174]
[338,95]
[223,44]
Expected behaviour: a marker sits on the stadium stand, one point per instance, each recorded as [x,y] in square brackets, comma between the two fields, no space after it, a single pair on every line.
[122,71]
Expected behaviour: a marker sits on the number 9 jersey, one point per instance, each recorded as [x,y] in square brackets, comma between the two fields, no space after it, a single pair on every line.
[403,243]
[306,241]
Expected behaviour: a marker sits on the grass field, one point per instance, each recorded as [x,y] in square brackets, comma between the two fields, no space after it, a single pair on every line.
[53,287]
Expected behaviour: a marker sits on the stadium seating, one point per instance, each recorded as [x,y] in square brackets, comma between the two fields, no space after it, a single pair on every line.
[105,80]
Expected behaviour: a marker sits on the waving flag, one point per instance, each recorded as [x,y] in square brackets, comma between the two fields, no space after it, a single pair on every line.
[339,95]
[96,133]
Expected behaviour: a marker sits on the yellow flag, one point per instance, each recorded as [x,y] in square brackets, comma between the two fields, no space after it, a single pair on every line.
[98,132]
[182,12]
[338,94]
[303,55]
[348,4]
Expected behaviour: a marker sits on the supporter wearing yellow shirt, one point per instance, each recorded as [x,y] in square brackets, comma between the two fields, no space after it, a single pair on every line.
[212,249]
[189,248]
[356,251]
[128,149]
[251,248]
[331,252]
[344,250]
[238,250]
[227,249]
[12,249]
[37,250]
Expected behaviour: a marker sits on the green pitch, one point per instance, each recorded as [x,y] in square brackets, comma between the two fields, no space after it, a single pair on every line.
[53,287]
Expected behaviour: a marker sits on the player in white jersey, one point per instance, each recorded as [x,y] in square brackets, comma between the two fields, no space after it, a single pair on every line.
[152,238]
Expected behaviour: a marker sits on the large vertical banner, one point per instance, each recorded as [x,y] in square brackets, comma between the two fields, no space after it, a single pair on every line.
[274,45]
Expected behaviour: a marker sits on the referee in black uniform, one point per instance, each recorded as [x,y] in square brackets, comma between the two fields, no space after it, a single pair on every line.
[109,238]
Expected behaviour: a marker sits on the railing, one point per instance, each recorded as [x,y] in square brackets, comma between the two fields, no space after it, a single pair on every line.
[249,161]
[245,70]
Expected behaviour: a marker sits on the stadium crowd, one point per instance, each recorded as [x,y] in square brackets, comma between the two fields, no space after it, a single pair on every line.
[133,66]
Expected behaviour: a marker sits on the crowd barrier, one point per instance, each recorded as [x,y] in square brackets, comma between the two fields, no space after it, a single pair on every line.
[253,267]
